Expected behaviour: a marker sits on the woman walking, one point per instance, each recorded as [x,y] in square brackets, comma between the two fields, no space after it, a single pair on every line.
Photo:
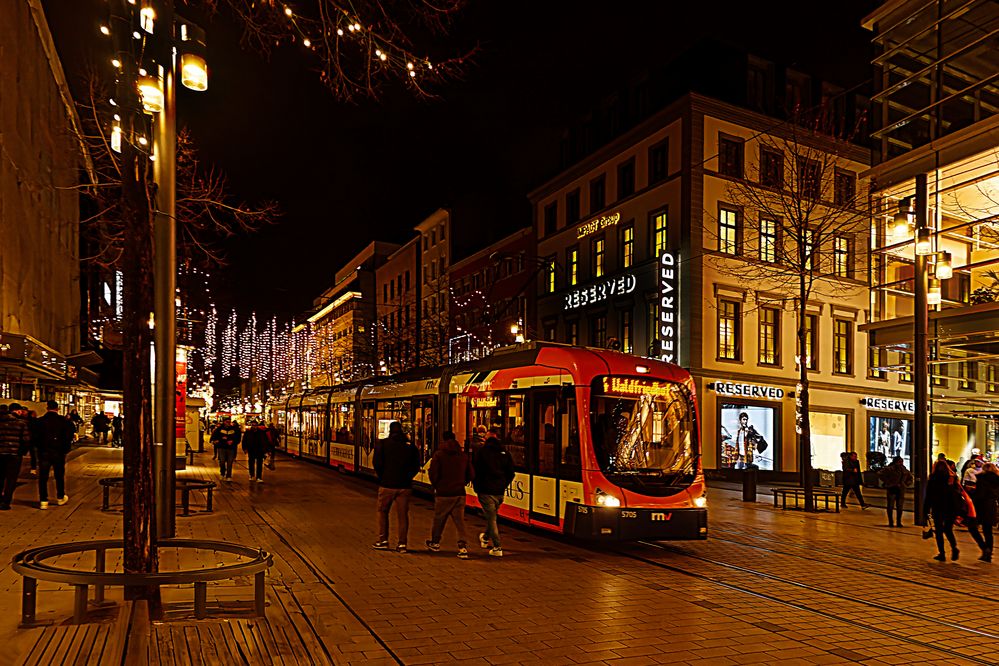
[985,497]
[942,497]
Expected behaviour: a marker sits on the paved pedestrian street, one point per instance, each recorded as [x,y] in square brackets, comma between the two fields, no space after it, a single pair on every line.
[767,587]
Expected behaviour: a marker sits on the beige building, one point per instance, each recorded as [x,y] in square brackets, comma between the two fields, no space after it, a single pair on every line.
[41,159]
[656,248]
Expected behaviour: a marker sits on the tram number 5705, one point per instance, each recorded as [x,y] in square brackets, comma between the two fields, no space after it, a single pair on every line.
[629,514]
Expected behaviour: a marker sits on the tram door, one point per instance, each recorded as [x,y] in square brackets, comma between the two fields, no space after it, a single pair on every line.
[545,454]
[423,435]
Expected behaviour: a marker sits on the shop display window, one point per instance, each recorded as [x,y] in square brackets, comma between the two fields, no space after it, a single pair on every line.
[829,439]
[747,435]
[891,436]
[954,440]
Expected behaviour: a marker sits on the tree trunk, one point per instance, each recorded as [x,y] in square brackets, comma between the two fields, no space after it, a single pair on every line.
[802,424]
[140,554]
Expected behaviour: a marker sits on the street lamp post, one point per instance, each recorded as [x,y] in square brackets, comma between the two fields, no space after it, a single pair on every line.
[920,358]
[195,77]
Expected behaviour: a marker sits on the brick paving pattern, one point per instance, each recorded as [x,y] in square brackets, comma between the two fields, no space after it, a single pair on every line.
[767,587]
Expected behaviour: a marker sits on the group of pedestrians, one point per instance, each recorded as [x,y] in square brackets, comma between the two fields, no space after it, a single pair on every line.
[489,470]
[971,501]
[258,442]
[48,439]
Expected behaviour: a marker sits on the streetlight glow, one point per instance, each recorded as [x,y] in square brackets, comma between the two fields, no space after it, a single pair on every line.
[151,92]
[923,245]
[944,269]
[194,72]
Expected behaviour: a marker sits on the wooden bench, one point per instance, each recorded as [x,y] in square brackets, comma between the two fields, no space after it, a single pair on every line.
[798,494]
[98,643]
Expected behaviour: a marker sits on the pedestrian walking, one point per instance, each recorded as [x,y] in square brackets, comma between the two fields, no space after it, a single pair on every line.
[273,439]
[396,462]
[33,447]
[943,495]
[853,477]
[226,438]
[117,431]
[450,472]
[14,443]
[895,478]
[76,420]
[255,447]
[493,473]
[54,441]
[985,499]
[100,423]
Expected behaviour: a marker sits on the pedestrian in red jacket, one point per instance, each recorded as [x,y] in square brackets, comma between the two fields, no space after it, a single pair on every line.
[450,471]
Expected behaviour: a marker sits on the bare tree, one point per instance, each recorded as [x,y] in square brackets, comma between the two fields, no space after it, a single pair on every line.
[810,218]
[356,46]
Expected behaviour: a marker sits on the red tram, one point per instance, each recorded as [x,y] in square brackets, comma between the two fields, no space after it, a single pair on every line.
[605,445]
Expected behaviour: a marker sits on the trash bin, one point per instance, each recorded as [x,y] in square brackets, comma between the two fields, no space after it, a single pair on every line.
[749,483]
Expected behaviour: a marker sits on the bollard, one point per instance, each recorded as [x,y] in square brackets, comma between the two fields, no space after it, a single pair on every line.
[749,483]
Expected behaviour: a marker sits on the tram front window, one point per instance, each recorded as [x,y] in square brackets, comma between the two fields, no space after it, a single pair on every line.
[644,433]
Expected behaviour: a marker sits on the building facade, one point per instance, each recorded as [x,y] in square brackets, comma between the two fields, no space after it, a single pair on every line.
[41,162]
[397,301]
[936,140]
[658,244]
[435,256]
[492,292]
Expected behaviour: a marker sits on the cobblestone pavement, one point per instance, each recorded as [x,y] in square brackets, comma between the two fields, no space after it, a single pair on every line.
[767,587]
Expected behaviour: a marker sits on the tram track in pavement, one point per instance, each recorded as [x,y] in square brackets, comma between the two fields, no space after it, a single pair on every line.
[972,633]
[869,572]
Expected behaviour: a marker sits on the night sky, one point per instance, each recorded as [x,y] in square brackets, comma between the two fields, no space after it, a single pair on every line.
[345,174]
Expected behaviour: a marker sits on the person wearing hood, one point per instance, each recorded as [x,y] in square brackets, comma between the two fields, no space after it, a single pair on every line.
[493,473]
[450,472]
[14,442]
[396,462]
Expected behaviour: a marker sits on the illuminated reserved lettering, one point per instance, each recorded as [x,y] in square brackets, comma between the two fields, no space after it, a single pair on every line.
[600,291]
[668,307]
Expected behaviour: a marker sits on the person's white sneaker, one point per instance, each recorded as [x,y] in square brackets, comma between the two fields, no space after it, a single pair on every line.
[252,479]
[259,480]
[496,552]
[62,500]
[483,541]
[43,505]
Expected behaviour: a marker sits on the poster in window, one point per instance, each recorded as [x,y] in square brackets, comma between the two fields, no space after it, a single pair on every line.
[747,436]
[891,436]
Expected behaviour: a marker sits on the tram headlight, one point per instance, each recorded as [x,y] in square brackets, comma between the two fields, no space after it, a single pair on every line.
[700,502]
[603,499]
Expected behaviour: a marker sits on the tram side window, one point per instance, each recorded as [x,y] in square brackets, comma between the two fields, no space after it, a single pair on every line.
[368,425]
[572,463]
[515,440]
[394,410]
[423,428]
[343,421]
[483,413]
[546,436]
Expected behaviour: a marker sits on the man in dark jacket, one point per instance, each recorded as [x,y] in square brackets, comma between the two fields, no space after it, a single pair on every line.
[55,439]
[450,472]
[493,473]
[14,442]
[396,462]
[255,445]
[100,423]
[895,478]
[226,438]
[853,477]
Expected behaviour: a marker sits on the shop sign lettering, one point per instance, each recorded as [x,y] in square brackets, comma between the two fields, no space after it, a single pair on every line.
[600,291]
[749,390]
[593,226]
[889,404]
[669,311]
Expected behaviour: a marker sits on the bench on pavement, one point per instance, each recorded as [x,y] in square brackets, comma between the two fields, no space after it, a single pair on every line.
[184,486]
[798,494]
